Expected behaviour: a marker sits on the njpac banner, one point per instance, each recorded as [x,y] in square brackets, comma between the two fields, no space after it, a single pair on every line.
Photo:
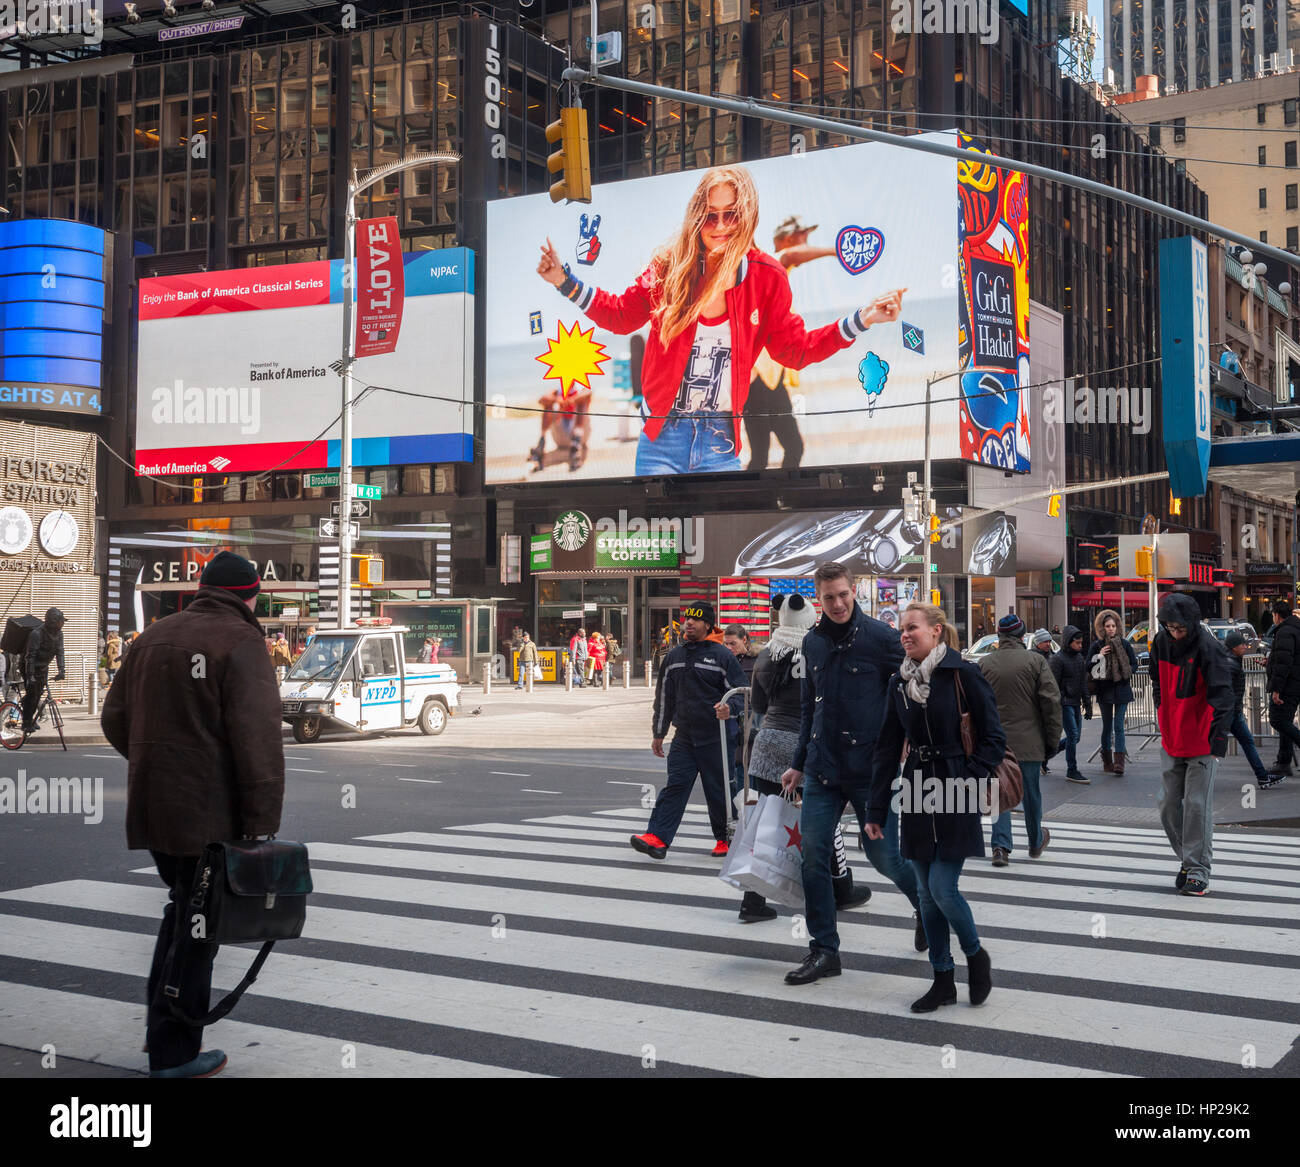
[379,286]
[594,379]
[233,370]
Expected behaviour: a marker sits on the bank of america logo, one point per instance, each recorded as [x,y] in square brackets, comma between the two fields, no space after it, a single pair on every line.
[219,462]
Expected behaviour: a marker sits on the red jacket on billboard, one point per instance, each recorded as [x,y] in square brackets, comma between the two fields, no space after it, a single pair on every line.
[381,286]
[759,311]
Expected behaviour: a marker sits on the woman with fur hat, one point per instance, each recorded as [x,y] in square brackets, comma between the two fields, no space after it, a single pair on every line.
[775,698]
[1111,665]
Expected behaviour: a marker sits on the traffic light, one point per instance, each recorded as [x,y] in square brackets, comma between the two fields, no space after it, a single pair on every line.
[1054,506]
[936,598]
[1142,559]
[572,161]
[1175,505]
[372,571]
[934,529]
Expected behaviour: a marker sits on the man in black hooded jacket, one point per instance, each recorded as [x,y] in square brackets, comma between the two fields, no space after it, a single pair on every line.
[43,645]
[1283,683]
[1071,672]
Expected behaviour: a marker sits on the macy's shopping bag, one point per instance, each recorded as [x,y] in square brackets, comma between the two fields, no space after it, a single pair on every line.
[767,852]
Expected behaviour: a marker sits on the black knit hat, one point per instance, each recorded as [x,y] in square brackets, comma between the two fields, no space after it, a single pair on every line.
[232,573]
[700,611]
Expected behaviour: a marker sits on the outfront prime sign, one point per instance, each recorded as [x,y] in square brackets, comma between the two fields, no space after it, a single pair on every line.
[233,370]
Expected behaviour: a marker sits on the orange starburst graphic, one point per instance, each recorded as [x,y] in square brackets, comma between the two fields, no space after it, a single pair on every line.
[573,357]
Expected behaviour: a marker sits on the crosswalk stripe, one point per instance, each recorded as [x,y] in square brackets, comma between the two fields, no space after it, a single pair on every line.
[90,1029]
[632,1029]
[1031,952]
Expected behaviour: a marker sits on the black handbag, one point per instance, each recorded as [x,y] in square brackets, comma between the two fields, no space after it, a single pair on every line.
[245,891]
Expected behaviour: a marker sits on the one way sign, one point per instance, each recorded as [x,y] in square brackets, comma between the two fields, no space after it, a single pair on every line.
[332,529]
[360,508]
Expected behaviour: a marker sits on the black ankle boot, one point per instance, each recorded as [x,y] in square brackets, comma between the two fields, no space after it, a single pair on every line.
[942,992]
[846,895]
[754,908]
[980,971]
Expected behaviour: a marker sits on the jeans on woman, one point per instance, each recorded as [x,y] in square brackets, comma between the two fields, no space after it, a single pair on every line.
[942,905]
[1113,714]
[689,444]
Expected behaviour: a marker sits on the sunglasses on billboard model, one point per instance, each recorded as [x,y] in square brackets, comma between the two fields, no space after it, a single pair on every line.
[721,218]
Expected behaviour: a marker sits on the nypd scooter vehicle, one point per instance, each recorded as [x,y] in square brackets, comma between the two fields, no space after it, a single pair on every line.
[358,679]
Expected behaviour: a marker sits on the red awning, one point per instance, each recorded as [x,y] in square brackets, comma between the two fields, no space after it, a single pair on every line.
[1110,600]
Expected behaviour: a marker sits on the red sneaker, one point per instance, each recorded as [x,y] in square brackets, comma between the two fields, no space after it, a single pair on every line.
[649,844]
[720,849]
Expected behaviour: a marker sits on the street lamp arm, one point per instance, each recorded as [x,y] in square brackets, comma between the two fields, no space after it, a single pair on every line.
[423,158]
[1077,488]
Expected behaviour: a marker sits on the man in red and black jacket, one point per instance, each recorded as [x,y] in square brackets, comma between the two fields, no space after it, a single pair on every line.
[1192,687]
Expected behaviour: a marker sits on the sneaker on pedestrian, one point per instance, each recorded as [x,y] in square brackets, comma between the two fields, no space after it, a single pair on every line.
[1270,780]
[206,1065]
[1001,856]
[720,848]
[1195,887]
[1035,852]
[1075,776]
[1180,879]
[649,844]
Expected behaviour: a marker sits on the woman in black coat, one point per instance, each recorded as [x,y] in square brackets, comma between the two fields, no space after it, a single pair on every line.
[939,804]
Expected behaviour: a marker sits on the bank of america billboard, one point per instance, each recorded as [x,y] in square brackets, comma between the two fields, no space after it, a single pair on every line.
[233,373]
[591,373]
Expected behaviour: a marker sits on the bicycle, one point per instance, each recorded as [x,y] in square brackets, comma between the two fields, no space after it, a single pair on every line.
[12,734]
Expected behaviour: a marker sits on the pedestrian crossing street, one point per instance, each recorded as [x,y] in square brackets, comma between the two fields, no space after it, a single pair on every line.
[550,947]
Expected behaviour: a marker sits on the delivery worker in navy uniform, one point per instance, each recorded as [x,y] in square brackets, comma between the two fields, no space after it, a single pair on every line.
[694,677]
[195,710]
[43,645]
[849,658]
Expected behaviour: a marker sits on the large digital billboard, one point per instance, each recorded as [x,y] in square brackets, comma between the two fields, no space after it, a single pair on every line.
[51,316]
[614,350]
[234,372]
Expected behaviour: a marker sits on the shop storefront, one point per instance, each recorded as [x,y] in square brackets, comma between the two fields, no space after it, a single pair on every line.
[1265,583]
[47,537]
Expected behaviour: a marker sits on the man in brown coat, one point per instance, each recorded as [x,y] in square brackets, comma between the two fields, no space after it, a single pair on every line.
[196,712]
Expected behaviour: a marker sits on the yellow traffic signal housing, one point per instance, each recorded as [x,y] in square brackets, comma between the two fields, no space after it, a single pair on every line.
[573,159]
[1175,505]
[1142,558]
[935,598]
[1054,506]
[934,529]
[371,571]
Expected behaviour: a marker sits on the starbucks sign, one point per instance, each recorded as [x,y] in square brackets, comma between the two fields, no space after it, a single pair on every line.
[571,531]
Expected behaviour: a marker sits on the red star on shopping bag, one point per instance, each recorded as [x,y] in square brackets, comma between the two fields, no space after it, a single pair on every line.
[796,839]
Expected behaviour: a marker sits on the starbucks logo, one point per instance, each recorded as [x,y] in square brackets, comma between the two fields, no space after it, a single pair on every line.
[571,530]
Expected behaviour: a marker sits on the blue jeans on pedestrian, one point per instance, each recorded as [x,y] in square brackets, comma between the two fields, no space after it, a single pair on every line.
[822,807]
[1241,731]
[686,759]
[1072,723]
[1033,806]
[1113,714]
[944,907]
[697,444]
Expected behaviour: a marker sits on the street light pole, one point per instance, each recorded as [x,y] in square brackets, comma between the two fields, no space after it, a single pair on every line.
[357,184]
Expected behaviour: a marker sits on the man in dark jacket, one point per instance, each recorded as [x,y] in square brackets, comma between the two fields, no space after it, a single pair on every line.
[1071,673]
[1029,705]
[848,658]
[1283,684]
[694,677]
[44,645]
[1192,690]
[1236,645]
[195,710]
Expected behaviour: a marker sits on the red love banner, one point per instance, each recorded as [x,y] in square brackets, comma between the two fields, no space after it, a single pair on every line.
[380,286]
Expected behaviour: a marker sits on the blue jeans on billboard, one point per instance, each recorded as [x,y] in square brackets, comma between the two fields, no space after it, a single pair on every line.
[1241,731]
[689,444]
[944,907]
[1072,724]
[1033,806]
[1113,715]
[686,759]
[822,807]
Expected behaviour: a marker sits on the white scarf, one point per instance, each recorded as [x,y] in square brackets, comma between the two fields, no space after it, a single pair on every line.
[917,673]
[785,640]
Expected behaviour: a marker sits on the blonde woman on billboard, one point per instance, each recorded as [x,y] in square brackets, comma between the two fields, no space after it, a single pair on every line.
[713,302]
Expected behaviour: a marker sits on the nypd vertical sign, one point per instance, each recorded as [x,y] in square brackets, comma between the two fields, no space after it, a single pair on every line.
[1185,363]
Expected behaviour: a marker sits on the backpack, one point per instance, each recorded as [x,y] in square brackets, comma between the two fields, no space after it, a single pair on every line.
[15,637]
